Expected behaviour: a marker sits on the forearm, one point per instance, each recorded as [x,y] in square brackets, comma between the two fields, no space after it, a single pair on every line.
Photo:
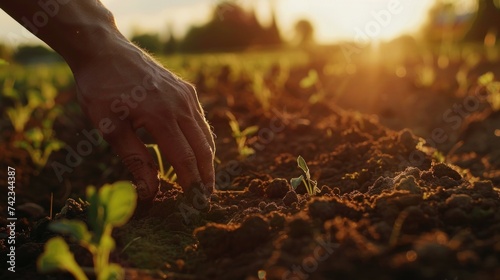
[78,30]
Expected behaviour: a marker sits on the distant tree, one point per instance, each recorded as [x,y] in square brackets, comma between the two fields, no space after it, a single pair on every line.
[487,20]
[271,35]
[170,45]
[230,28]
[148,41]
[305,32]
[441,23]
[26,54]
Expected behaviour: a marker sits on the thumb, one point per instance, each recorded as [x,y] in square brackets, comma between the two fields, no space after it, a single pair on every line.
[137,159]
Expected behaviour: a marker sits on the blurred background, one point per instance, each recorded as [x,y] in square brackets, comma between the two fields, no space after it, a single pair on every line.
[409,64]
[166,27]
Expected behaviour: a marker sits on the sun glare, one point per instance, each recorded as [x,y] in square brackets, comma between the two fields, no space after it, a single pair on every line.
[365,20]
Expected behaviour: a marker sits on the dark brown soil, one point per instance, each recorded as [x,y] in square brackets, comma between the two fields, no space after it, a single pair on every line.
[388,208]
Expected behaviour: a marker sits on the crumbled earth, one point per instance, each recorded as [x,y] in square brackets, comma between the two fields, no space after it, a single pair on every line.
[380,214]
[388,207]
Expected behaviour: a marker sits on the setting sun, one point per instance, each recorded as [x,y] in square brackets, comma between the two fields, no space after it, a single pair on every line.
[347,20]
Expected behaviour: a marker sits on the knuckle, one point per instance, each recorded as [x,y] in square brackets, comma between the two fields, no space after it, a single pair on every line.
[187,160]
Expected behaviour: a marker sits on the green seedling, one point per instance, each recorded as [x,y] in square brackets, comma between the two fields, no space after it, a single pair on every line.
[312,80]
[493,88]
[40,142]
[19,116]
[261,91]
[241,136]
[111,206]
[32,92]
[20,113]
[170,174]
[305,178]
[438,156]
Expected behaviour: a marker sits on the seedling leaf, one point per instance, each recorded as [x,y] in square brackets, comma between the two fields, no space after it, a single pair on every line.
[311,185]
[303,165]
[57,256]
[77,229]
[485,79]
[111,272]
[310,80]
[295,182]
[250,130]
[108,243]
[119,200]
[246,151]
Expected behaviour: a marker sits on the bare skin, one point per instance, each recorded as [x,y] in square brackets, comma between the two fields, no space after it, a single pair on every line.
[121,89]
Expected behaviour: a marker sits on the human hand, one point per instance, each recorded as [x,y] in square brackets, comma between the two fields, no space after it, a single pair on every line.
[123,89]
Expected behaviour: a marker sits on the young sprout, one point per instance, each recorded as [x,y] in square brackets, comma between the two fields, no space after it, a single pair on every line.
[241,136]
[170,174]
[111,206]
[20,113]
[312,80]
[261,91]
[40,142]
[493,88]
[311,185]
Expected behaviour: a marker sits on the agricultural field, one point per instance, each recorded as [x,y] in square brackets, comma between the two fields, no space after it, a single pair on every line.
[332,163]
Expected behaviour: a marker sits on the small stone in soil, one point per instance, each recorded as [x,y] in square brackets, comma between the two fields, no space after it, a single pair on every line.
[277,188]
[440,170]
[290,197]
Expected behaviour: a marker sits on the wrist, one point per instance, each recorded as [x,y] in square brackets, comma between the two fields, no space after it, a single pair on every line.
[92,42]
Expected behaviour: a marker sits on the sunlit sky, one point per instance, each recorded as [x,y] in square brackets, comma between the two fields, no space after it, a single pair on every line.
[334,20]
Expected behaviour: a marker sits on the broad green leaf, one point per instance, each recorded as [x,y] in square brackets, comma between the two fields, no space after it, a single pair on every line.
[250,130]
[77,229]
[295,182]
[57,256]
[303,165]
[3,62]
[485,79]
[119,200]
[112,272]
